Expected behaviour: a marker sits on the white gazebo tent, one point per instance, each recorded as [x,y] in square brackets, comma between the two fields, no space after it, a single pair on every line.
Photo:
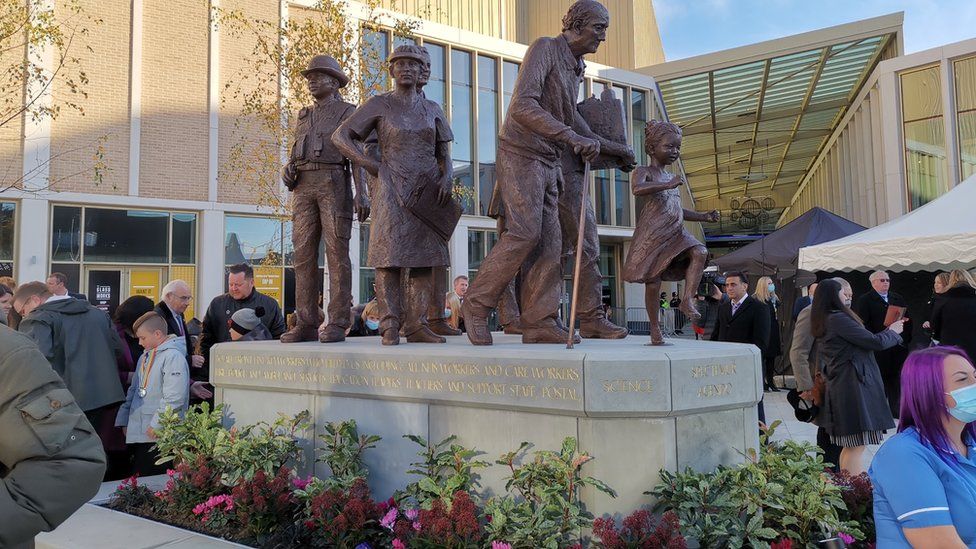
[940,235]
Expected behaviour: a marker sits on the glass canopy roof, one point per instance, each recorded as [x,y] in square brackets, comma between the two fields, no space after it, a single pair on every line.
[755,128]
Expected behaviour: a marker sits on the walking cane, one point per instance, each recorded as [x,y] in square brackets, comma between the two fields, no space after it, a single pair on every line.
[579,255]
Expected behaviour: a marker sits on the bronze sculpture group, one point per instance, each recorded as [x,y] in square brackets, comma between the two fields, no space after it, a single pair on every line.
[402,141]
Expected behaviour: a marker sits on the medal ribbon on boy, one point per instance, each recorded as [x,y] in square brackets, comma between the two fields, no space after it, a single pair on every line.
[144,372]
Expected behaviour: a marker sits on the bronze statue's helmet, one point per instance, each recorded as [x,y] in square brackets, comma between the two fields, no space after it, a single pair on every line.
[410,51]
[328,65]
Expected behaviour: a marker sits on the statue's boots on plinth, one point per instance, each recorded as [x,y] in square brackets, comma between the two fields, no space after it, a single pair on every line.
[514,327]
[391,336]
[601,328]
[332,334]
[476,326]
[299,334]
[424,335]
[547,334]
[441,327]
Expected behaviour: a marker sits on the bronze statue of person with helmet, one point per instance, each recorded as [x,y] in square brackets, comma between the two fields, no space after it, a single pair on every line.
[320,179]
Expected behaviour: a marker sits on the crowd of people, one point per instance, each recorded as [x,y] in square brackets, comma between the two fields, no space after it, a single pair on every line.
[123,370]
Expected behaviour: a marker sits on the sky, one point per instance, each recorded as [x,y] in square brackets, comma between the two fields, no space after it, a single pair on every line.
[694,27]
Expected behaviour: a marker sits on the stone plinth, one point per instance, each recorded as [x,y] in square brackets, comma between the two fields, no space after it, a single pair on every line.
[636,409]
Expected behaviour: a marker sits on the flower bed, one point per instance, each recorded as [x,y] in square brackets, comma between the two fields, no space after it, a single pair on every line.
[239,485]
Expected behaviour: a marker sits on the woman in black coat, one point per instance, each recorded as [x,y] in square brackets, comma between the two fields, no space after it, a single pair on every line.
[855,410]
[954,316]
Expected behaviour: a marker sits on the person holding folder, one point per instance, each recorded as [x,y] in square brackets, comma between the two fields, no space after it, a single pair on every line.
[879,309]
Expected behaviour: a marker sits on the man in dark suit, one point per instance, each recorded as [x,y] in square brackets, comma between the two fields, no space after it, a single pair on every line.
[804,301]
[742,319]
[872,307]
[57,284]
[176,299]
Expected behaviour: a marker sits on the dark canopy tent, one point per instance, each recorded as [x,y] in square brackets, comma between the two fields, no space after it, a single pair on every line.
[776,255]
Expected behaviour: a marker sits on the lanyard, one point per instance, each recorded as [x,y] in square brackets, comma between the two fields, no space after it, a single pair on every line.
[144,370]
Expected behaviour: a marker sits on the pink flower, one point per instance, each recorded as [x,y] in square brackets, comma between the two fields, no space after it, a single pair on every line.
[300,483]
[500,545]
[416,526]
[397,544]
[389,519]
[411,514]
[848,539]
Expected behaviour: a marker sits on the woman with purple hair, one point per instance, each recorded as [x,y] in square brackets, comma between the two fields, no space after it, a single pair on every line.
[925,476]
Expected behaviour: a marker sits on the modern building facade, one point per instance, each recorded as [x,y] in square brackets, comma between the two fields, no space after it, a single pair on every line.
[160,127]
[909,137]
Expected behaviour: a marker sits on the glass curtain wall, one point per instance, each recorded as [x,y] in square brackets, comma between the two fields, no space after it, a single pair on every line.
[965,78]
[926,167]
[462,111]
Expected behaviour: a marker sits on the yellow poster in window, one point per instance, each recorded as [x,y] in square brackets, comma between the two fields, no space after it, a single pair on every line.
[188,274]
[270,281]
[144,283]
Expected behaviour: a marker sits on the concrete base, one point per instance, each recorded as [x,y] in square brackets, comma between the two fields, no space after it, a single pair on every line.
[636,409]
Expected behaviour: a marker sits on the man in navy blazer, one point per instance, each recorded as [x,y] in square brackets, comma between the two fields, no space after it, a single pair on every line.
[742,319]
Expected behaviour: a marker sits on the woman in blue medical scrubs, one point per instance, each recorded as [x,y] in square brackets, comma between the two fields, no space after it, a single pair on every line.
[925,476]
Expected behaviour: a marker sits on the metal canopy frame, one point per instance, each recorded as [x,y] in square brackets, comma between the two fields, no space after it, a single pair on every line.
[755,118]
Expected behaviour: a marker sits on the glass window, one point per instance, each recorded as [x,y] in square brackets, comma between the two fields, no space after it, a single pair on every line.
[965,77]
[461,114]
[925,149]
[638,110]
[66,233]
[621,198]
[487,129]
[126,236]
[73,272]
[376,45]
[602,203]
[609,254]
[253,240]
[7,227]
[436,85]
[476,252]
[509,74]
[367,275]
[184,238]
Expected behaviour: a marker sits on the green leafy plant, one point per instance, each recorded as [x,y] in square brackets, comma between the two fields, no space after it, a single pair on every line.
[444,469]
[546,511]
[780,493]
[232,453]
[343,452]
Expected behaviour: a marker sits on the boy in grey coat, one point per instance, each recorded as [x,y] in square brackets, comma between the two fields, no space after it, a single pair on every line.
[161,381]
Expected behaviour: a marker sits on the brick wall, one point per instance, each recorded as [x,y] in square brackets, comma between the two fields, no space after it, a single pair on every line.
[11,133]
[234,51]
[175,124]
[75,135]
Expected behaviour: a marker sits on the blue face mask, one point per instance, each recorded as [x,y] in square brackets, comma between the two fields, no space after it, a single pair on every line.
[772,287]
[447,313]
[965,409]
[373,324]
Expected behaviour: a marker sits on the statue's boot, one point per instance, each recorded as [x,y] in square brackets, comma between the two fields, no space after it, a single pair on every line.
[689,310]
[601,328]
[299,334]
[441,327]
[332,334]
[514,327]
[477,326]
[547,334]
[425,335]
[391,336]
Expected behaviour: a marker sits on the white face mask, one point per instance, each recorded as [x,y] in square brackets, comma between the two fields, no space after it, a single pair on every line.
[447,313]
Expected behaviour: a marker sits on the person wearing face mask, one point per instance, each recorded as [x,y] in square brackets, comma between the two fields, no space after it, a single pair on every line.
[452,310]
[766,294]
[924,477]
[855,411]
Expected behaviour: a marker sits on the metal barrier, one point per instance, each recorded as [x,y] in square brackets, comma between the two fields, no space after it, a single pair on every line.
[639,324]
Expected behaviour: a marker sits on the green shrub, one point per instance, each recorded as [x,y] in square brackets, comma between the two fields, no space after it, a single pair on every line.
[444,469]
[343,452]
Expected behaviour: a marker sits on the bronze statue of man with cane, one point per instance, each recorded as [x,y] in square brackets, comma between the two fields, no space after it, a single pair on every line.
[538,127]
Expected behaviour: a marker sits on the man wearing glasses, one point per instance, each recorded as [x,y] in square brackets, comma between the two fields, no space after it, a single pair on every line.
[176,299]
[872,307]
